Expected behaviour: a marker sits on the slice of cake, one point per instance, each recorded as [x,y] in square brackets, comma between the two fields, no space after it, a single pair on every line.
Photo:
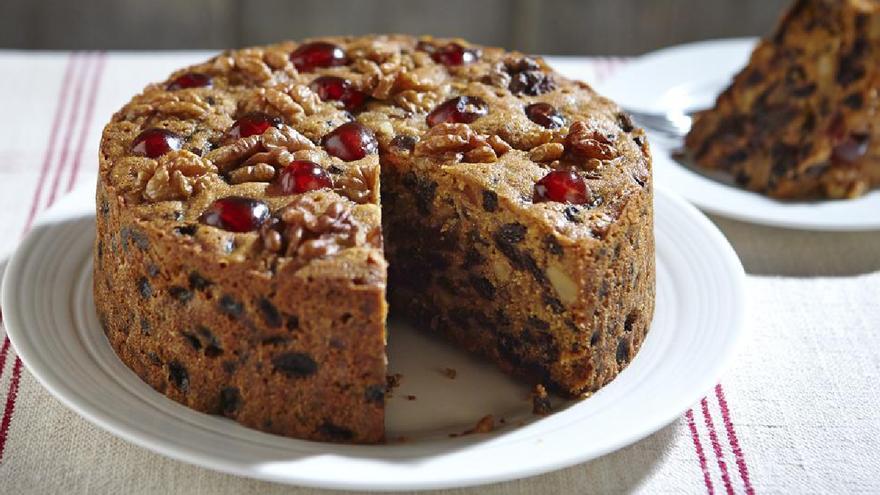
[800,120]
[240,261]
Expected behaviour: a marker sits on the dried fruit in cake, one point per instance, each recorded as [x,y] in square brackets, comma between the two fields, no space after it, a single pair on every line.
[798,121]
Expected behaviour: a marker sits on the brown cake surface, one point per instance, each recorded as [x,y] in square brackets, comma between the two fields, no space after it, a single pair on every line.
[800,120]
[240,261]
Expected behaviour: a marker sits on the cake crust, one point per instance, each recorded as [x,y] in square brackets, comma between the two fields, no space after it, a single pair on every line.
[281,327]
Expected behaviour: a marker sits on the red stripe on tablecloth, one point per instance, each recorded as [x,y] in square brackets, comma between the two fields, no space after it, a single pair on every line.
[90,109]
[734,441]
[73,117]
[10,405]
[4,351]
[12,392]
[53,137]
[698,447]
[47,162]
[716,446]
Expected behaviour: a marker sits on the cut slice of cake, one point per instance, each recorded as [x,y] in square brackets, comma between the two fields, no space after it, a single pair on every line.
[800,120]
[240,260]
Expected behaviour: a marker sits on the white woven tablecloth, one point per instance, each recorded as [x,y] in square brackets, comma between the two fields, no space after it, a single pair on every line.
[798,412]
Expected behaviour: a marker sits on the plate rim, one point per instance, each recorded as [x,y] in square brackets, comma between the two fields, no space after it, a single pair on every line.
[772,218]
[735,277]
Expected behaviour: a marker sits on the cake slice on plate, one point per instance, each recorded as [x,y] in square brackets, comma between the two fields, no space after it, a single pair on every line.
[800,121]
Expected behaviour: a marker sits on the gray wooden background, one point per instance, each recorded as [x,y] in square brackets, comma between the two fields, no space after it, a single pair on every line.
[612,27]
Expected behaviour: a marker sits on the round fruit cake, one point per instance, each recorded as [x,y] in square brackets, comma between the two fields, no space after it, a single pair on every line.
[243,249]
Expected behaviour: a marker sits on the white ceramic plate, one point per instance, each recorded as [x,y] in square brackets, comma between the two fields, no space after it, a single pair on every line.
[690,77]
[50,317]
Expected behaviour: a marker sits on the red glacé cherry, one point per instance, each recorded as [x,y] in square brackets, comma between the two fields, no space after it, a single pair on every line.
[303,176]
[544,115]
[236,214]
[458,110]
[252,124]
[350,141]
[153,143]
[454,54]
[318,54]
[190,80]
[562,186]
[338,89]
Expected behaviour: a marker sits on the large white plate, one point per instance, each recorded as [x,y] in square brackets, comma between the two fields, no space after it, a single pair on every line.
[691,76]
[50,317]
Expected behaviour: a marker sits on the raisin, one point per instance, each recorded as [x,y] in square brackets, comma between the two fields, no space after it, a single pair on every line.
[854,101]
[198,282]
[182,294]
[178,376]
[531,83]
[472,258]
[145,288]
[490,201]
[154,359]
[230,307]
[375,393]
[622,351]
[554,303]
[295,364]
[213,348]
[594,339]
[335,433]
[571,214]
[538,323]
[423,190]
[404,142]
[512,233]
[145,326]
[128,235]
[631,320]
[230,401]
[192,340]
[483,287]
[269,312]
[292,323]
[553,245]
[625,122]
[152,270]
[187,230]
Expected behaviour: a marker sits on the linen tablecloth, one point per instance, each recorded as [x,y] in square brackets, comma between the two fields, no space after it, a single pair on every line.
[797,412]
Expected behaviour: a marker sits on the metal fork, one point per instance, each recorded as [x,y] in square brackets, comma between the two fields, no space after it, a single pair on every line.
[674,124]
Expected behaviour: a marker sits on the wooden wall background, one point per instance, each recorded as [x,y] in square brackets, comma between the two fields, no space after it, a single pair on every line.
[621,27]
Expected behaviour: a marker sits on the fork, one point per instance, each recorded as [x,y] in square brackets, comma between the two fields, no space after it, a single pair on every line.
[673,124]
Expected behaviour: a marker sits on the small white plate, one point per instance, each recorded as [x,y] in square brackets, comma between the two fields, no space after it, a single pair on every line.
[689,77]
[50,318]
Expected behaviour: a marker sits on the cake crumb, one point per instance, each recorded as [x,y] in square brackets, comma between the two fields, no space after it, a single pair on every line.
[410,397]
[486,424]
[541,401]
[392,381]
[449,373]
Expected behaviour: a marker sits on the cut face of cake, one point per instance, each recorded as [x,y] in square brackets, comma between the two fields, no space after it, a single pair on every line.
[244,252]
[800,120]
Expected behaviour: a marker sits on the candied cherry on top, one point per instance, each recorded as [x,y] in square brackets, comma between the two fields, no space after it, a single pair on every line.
[562,186]
[338,89]
[458,110]
[190,80]
[350,141]
[236,214]
[252,124]
[303,176]
[310,56]
[453,54]
[155,142]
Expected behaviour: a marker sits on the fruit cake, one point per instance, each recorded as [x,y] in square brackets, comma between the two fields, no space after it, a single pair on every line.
[243,248]
[799,121]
